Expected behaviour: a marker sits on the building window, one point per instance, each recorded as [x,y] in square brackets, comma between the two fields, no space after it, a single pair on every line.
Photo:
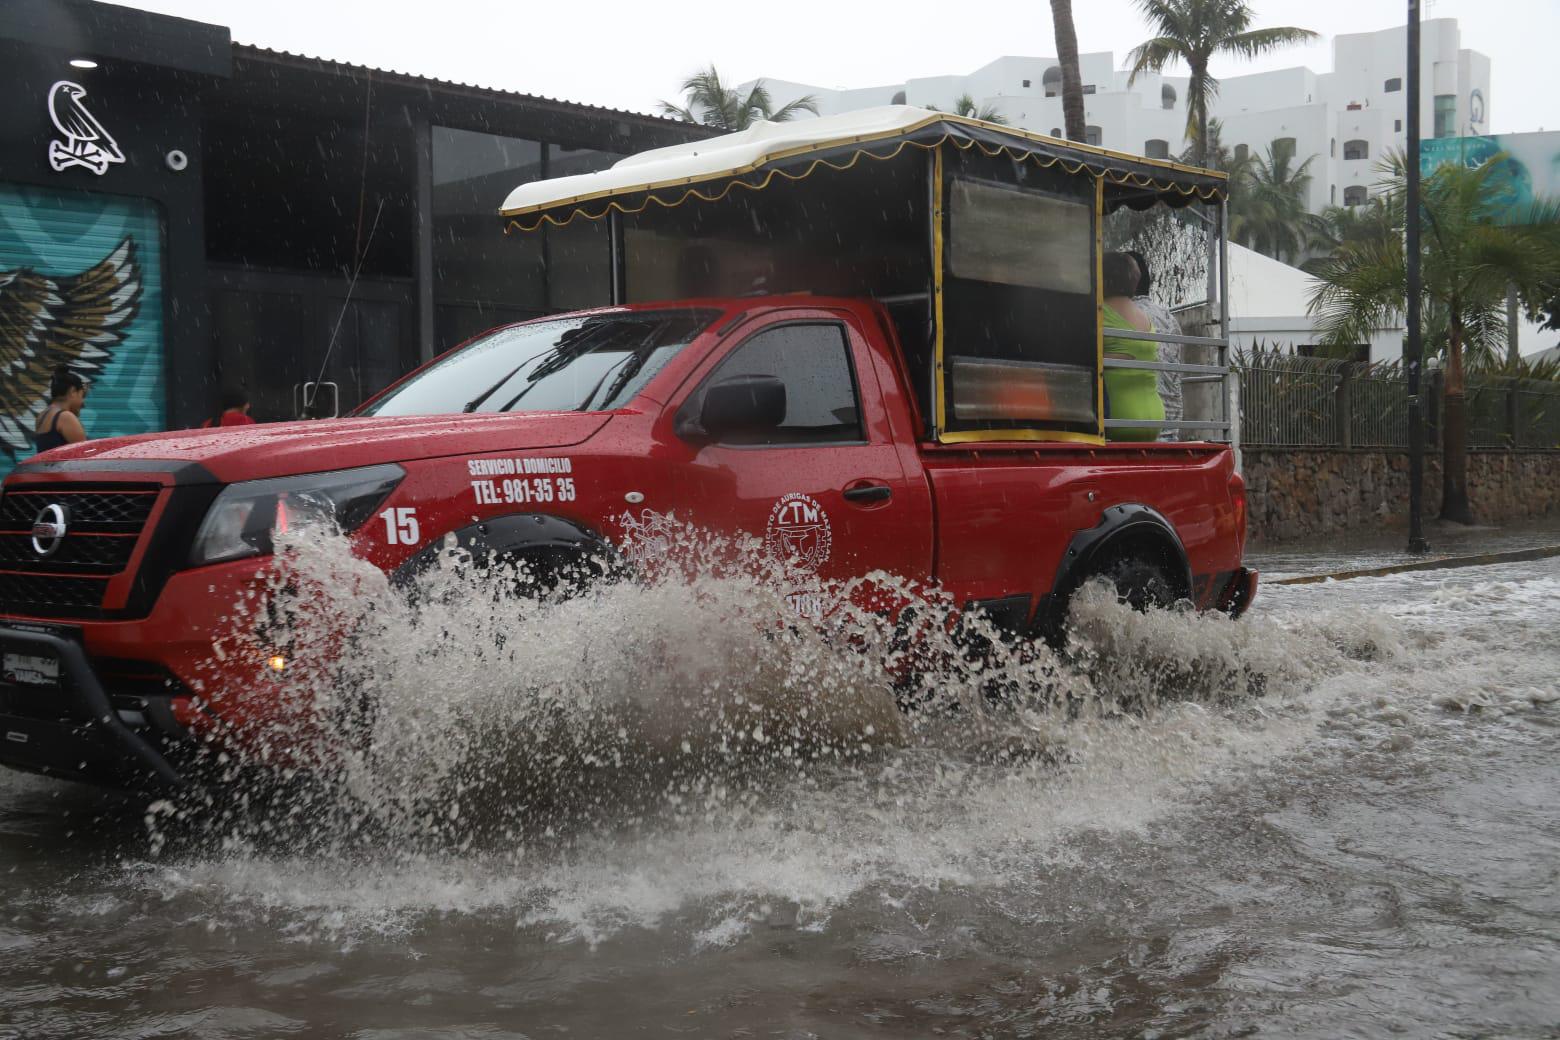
[1282,146]
[1026,84]
[1446,115]
[1088,88]
[1242,153]
[1093,135]
[1356,150]
[1167,96]
[1154,148]
[1051,82]
[1332,194]
[1056,131]
[472,174]
[1394,85]
[899,98]
[1332,148]
[1354,195]
[1397,125]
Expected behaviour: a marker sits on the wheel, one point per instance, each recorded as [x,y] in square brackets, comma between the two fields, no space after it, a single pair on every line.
[1140,582]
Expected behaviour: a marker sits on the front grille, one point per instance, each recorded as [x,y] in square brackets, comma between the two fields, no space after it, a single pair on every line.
[77,554]
[20,591]
[103,525]
[124,510]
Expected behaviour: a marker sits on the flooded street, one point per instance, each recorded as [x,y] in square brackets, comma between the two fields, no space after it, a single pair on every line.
[1336,817]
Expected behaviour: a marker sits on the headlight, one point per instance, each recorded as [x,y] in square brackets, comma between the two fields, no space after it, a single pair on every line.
[245,517]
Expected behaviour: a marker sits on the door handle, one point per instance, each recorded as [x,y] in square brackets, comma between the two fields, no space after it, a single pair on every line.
[864,493]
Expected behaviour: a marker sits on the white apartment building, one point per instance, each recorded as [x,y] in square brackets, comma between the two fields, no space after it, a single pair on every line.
[1346,118]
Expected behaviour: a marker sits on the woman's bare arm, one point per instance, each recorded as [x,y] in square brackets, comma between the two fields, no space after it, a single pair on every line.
[70,428]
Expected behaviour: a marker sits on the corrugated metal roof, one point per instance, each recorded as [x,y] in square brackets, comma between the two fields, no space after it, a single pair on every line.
[248,50]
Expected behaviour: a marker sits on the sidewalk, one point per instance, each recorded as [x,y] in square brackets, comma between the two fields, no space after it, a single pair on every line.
[1361,552]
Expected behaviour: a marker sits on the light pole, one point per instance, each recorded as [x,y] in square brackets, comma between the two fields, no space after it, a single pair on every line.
[1413,349]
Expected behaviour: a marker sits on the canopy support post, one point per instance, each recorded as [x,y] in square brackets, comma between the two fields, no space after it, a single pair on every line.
[1231,384]
[619,269]
[939,420]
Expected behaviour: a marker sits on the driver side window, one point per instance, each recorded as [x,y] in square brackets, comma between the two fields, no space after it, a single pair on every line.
[813,361]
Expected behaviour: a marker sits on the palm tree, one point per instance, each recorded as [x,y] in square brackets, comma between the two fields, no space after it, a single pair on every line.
[1468,262]
[1217,155]
[1193,31]
[1072,78]
[1340,227]
[1269,212]
[964,105]
[712,103]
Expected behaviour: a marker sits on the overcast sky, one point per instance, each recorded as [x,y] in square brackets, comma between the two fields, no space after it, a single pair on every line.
[631,54]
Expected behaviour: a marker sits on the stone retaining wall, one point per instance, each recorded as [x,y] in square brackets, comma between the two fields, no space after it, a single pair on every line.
[1306,492]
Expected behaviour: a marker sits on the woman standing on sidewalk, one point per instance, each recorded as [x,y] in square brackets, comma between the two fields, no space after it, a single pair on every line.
[60,423]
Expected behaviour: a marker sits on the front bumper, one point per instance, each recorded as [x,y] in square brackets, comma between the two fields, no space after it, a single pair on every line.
[71,728]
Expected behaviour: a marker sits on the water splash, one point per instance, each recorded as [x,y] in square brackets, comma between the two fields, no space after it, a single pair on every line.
[600,755]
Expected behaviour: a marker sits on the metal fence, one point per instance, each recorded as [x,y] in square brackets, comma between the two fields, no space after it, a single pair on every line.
[1287,401]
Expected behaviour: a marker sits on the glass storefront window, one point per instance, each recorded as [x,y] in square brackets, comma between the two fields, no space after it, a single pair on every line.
[483,277]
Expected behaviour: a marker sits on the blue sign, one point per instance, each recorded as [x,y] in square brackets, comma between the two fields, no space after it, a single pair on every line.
[1530,173]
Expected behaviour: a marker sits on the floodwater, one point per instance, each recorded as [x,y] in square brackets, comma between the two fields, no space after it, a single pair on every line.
[1362,550]
[1337,817]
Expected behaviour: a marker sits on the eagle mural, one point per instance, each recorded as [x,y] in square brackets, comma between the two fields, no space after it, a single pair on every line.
[46,321]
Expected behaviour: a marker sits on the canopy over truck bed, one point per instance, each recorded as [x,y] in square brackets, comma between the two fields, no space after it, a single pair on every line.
[984,242]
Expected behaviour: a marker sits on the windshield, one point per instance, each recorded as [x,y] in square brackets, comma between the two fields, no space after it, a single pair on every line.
[579,364]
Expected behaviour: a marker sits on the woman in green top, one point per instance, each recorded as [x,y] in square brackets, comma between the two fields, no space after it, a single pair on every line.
[1130,393]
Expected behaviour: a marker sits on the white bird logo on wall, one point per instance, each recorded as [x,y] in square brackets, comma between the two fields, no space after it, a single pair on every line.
[86,142]
[67,320]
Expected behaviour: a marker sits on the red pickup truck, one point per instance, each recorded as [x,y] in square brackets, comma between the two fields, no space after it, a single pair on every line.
[874,342]
[787,418]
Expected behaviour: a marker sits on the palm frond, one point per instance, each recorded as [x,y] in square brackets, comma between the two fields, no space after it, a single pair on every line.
[1258,42]
[1153,56]
[805,103]
[678,112]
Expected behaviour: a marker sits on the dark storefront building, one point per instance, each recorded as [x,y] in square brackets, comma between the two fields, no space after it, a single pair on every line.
[180,213]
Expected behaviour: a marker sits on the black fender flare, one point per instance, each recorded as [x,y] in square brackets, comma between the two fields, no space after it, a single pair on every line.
[1130,527]
[529,536]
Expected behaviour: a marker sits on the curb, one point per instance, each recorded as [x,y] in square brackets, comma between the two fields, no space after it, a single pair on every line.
[1444,563]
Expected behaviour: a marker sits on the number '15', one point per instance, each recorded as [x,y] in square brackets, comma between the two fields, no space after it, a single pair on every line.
[401,525]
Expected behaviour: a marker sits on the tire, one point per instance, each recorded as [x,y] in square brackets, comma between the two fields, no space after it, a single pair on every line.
[1140,583]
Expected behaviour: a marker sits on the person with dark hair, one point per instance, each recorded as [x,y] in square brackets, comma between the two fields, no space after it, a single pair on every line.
[233,410]
[1169,353]
[1130,393]
[60,423]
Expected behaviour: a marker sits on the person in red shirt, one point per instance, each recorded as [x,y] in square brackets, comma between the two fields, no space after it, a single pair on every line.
[234,410]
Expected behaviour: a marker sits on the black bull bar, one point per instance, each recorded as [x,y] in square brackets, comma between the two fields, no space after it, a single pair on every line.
[80,735]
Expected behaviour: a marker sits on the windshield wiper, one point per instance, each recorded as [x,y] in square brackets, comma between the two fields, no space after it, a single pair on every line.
[570,346]
[476,402]
[628,359]
[637,356]
[589,341]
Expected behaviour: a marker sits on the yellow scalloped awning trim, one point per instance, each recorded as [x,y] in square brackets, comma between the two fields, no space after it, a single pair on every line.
[612,202]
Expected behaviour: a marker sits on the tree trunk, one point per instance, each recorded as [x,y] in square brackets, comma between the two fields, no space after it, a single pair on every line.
[1072,77]
[1199,73]
[1454,442]
[1196,88]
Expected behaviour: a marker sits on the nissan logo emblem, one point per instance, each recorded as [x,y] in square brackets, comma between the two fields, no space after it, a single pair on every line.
[48,530]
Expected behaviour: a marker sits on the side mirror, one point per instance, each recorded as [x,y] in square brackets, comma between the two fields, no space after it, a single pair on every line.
[742,406]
